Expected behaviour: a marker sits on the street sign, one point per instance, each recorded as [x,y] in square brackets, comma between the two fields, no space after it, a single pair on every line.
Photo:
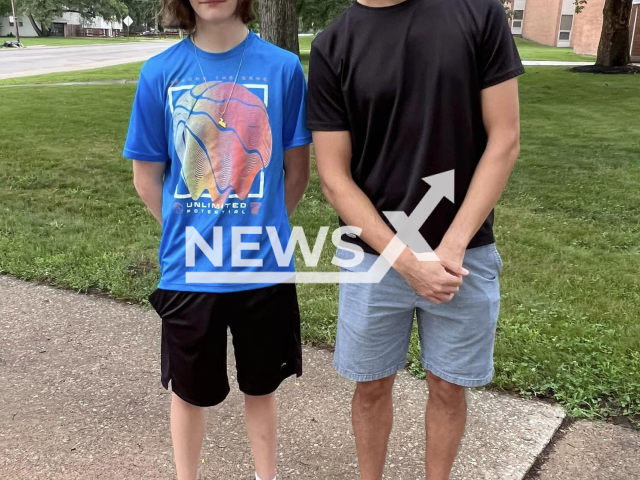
[11,20]
[128,21]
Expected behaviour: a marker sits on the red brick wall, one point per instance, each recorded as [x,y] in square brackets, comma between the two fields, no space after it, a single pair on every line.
[587,28]
[541,21]
[635,48]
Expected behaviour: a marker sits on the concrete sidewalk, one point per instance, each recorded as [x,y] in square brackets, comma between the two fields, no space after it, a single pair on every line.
[81,399]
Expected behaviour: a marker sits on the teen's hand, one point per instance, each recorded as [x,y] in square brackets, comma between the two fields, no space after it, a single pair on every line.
[451,258]
[430,280]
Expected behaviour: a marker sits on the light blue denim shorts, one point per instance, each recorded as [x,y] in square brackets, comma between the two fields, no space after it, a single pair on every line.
[456,338]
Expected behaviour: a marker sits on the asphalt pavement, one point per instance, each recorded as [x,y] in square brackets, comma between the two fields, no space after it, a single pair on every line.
[42,60]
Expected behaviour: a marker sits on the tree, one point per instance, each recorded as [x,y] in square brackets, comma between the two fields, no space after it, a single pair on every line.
[5,7]
[145,13]
[613,50]
[314,15]
[279,23]
[41,11]
[44,11]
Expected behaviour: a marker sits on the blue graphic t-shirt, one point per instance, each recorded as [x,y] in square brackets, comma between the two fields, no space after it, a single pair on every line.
[225,226]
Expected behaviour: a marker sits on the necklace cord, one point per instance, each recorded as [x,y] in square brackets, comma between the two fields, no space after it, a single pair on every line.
[235,82]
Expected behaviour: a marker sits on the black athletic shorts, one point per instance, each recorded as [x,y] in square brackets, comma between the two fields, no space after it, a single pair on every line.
[264,324]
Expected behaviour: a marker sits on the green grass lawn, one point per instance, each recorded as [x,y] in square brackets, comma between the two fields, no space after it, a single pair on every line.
[534,51]
[72,41]
[127,71]
[305,42]
[568,228]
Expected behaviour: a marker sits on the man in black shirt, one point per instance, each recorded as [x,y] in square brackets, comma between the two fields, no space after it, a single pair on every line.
[401,91]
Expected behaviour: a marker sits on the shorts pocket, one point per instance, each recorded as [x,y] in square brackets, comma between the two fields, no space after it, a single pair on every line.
[498,258]
[485,263]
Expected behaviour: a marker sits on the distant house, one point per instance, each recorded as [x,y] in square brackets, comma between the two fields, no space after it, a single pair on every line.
[71,24]
[555,23]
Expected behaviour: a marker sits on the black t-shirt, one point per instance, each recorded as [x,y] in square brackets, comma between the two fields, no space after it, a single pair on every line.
[406,81]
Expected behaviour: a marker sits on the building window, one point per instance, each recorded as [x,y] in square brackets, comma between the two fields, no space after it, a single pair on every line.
[566,22]
[518,16]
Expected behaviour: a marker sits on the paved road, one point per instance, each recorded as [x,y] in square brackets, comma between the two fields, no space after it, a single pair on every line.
[36,61]
[81,399]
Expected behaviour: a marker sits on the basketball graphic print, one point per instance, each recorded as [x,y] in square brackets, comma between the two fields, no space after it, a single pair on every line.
[215,158]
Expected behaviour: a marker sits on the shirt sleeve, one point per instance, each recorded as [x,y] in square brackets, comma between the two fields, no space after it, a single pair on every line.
[499,60]
[327,110]
[147,139]
[295,132]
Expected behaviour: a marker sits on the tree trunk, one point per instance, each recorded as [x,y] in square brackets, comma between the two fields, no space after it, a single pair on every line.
[613,50]
[279,23]
[35,25]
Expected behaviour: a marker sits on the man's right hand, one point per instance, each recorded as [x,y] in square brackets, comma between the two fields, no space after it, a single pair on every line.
[429,279]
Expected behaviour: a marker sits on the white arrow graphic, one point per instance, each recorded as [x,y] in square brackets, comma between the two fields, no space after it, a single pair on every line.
[408,227]
[408,230]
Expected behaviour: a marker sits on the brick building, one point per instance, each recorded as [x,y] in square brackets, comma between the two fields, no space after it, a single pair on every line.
[555,23]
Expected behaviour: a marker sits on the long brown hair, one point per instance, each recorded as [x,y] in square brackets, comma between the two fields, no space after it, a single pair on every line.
[180,13]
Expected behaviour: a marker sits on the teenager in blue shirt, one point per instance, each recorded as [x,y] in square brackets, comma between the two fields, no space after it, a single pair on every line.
[220,154]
